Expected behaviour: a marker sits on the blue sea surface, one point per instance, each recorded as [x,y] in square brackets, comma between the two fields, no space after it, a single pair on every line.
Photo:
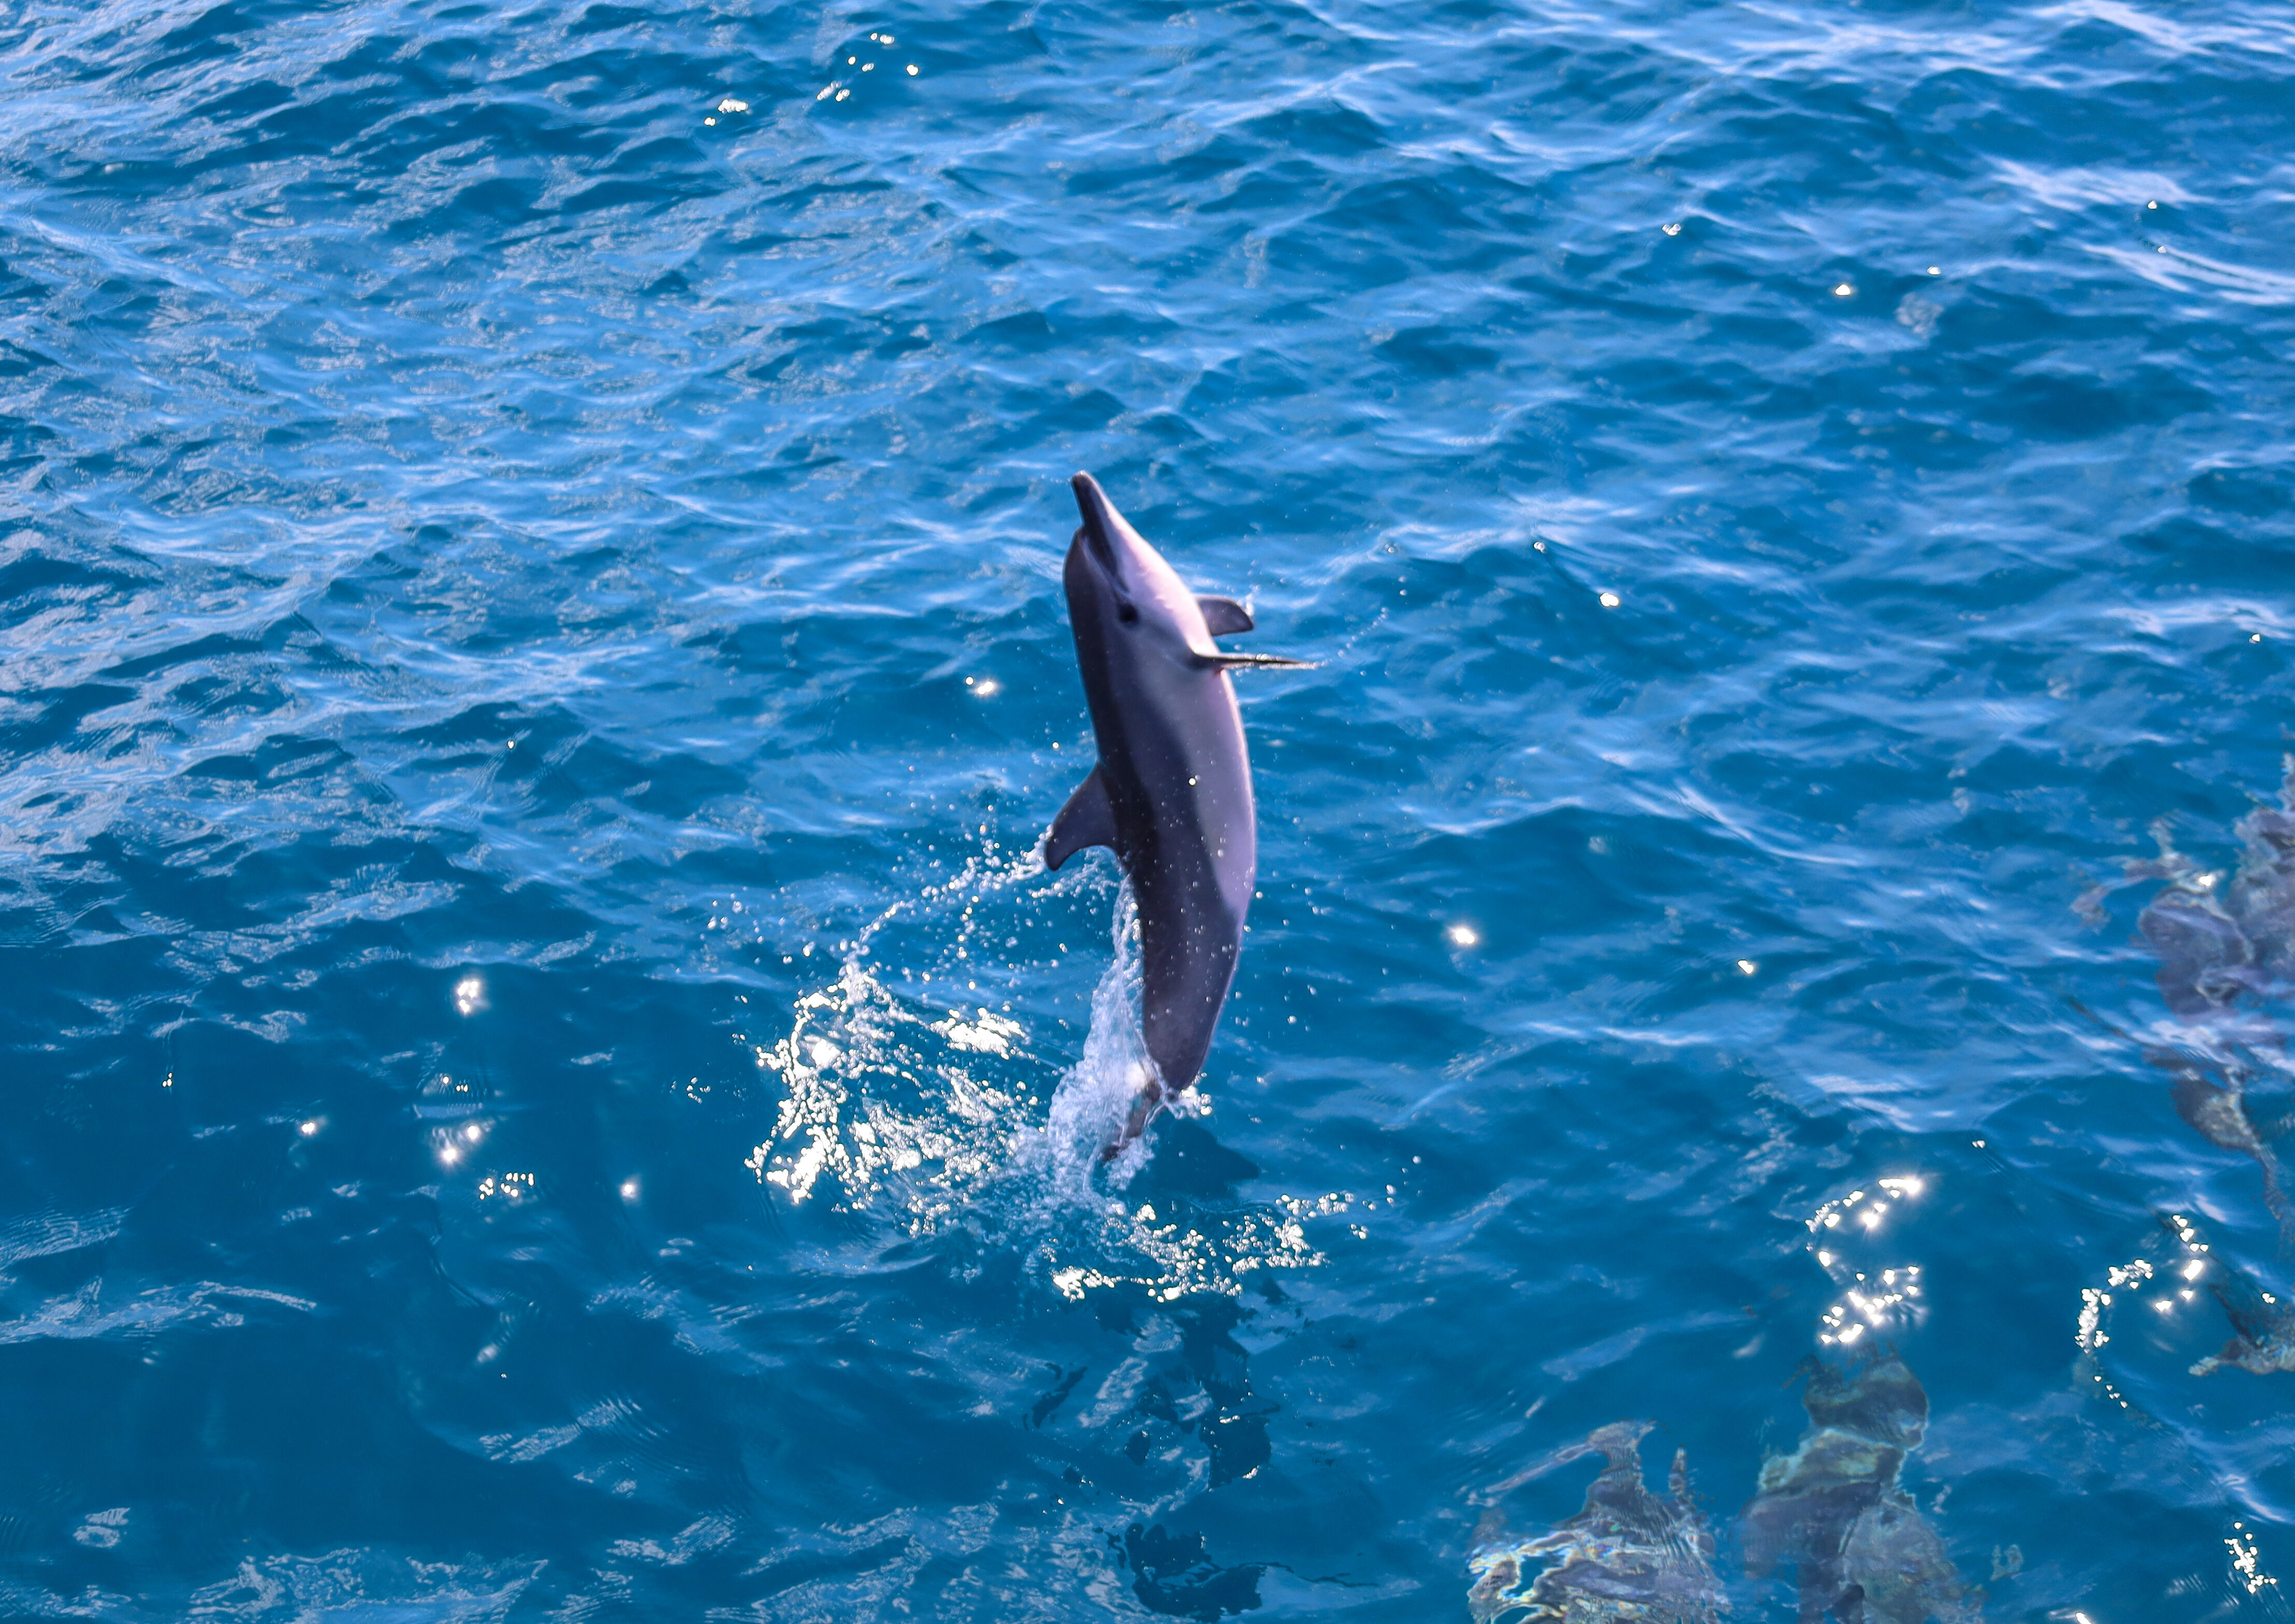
[541,1078]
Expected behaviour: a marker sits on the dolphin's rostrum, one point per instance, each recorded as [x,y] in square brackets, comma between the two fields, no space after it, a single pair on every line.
[1171,793]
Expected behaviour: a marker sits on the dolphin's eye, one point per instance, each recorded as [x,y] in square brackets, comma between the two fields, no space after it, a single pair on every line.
[1127,612]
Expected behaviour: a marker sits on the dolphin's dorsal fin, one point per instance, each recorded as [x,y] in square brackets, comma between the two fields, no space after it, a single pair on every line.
[1088,820]
[1269,661]
[1224,616]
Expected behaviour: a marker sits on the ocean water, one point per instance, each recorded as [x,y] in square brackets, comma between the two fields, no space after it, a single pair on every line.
[542,1080]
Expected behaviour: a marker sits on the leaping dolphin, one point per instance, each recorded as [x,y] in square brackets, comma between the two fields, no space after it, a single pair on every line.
[1171,793]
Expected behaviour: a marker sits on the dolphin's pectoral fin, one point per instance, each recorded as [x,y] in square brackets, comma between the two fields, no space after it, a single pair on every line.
[1088,820]
[1224,616]
[1273,662]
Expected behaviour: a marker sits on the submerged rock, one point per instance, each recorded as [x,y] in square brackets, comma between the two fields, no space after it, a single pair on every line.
[1628,1557]
[1833,1509]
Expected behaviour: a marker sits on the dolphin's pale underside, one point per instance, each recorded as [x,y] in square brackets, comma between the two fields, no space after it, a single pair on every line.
[1170,795]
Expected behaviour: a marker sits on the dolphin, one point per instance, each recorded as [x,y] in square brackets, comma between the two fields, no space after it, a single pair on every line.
[1170,795]
[1627,1557]
[1836,1509]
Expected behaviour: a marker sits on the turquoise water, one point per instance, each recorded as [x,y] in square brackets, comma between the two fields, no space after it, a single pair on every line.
[541,1084]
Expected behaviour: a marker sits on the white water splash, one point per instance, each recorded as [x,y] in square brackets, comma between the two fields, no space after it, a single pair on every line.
[891,1106]
[839,1119]
[1095,1098]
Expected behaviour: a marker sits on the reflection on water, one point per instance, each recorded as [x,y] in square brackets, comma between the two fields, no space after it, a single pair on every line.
[1877,1298]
